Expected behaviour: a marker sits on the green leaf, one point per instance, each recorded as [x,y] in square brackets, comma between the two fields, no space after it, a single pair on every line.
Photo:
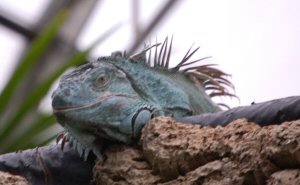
[37,49]
[41,123]
[37,94]
[42,142]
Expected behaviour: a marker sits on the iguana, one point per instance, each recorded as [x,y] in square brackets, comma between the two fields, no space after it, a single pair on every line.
[113,97]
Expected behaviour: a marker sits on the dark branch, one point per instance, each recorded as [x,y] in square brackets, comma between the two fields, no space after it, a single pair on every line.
[49,165]
[265,113]
[9,23]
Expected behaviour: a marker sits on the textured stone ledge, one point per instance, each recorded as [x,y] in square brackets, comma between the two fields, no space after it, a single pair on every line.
[176,153]
[9,179]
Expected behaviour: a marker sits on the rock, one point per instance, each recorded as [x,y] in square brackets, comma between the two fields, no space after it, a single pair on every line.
[176,153]
[285,177]
[9,179]
[125,165]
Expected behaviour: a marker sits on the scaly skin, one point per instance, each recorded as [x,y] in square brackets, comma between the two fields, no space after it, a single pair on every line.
[114,97]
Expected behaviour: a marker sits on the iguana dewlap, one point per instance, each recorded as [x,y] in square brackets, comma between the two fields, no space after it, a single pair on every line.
[114,97]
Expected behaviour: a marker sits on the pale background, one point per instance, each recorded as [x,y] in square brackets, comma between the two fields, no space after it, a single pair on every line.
[257,42]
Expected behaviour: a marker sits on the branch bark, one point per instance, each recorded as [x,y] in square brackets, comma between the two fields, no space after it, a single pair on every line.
[172,153]
[49,165]
[265,113]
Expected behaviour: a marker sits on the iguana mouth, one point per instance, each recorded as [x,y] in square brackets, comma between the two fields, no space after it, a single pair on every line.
[67,108]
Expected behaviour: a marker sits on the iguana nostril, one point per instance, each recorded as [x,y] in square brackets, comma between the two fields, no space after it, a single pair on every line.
[58,102]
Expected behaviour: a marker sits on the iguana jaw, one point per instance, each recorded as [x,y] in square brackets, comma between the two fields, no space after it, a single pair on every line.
[67,108]
[114,116]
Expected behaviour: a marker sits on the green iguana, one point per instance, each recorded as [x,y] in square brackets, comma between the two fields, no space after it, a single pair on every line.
[114,97]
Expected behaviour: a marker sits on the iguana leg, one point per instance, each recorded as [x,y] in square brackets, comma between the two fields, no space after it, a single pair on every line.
[143,116]
[138,121]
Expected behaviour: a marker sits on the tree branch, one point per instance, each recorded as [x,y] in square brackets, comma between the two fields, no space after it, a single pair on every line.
[265,113]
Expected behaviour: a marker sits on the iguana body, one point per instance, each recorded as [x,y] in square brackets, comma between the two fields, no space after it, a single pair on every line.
[114,97]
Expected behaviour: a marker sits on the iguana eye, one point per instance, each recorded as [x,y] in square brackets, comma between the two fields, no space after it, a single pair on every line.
[101,81]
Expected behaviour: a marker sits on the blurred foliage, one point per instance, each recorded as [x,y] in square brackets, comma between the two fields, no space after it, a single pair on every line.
[42,121]
[26,137]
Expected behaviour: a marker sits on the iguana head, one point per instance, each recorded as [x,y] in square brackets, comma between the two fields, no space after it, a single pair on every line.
[115,96]
[98,98]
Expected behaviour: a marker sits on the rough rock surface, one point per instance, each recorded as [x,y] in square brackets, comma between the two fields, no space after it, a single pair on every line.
[176,153]
[9,179]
